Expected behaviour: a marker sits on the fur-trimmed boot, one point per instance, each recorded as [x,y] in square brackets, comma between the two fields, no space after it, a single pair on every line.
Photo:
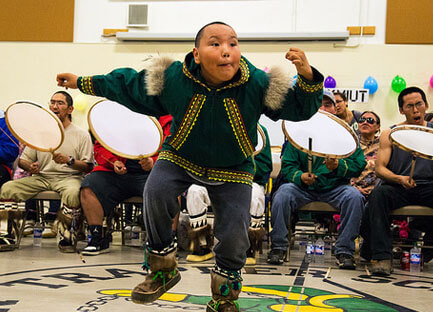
[255,236]
[70,221]
[226,287]
[201,243]
[12,215]
[163,275]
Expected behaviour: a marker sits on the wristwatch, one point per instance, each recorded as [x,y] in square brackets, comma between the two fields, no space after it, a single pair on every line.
[71,161]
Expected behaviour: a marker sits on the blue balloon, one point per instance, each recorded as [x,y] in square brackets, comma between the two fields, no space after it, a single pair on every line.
[371,84]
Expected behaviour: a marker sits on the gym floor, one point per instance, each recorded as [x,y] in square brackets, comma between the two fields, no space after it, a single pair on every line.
[43,279]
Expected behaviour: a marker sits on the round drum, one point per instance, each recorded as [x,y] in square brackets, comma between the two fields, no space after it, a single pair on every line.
[124,132]
[417,140]
[35,126]
[330,136]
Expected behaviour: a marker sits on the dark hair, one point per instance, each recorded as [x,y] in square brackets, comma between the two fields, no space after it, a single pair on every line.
[428,117]
[69,100]
[409,91]
[343,96]
[200,32]
[375,115]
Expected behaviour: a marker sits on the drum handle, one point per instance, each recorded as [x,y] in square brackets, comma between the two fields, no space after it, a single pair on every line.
[412,168]
[310,156]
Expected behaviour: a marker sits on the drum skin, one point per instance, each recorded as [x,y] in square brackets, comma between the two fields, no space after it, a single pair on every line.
[35,126]
[417,140]
[331,137]
[124,132]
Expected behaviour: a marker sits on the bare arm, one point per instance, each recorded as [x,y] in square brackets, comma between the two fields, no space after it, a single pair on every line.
[383,157]
[77,165]
[28,166]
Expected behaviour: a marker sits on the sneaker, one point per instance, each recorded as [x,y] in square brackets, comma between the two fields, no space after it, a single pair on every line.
[200,256]
[95,248]
[28,227]
[276,256]
[346,262]
[66,246]
[381,267]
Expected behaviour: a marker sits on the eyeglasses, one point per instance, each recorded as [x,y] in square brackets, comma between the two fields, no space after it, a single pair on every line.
[370,120]
[54,102]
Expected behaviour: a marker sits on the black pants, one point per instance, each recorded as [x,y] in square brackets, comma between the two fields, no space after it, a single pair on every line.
[376,224]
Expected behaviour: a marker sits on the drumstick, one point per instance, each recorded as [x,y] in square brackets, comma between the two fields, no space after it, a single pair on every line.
[109,161]
[310,157]
[412,168]
[10,138]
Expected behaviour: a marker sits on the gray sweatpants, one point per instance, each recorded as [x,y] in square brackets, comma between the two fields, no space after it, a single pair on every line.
[230,203]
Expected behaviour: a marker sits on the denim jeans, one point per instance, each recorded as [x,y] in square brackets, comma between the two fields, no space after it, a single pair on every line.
[289,198]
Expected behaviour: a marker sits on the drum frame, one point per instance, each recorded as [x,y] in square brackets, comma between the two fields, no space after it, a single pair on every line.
[59,123]
[405,148]
[307,151]
[118,153]
[262,134]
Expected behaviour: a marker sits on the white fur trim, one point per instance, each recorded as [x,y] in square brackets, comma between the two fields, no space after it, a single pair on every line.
[154,79]
[279,85]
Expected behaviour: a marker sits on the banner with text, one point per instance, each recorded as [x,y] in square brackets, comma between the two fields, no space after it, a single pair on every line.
[354,95]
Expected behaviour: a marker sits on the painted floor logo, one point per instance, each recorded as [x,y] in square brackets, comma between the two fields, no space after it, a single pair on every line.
[275,298]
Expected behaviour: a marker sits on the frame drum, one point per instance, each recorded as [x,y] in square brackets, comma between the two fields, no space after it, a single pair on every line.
[35,126]
[123,132]
[331,137]
[414,139]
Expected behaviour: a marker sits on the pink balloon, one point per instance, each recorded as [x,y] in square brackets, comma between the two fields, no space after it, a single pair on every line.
[431,81]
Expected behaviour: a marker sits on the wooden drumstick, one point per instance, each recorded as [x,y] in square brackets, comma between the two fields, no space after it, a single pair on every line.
[10,138]
[109,161]
[412,168]
[310,157]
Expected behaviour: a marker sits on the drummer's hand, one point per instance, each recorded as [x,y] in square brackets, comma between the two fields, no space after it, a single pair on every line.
[331,163]
[298,58]
[362,190]
[119,167]
[34,168]
[146,163]
[406,182]
[60,158]
[67,80]
[308,178]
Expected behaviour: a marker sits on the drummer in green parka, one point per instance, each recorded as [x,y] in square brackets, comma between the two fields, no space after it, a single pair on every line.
[216,97]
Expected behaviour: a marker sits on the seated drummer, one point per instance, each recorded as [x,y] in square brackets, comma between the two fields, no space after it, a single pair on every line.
[9,148]
[61,171]
[8,154]
[111,182]
[393,166]
[329,182]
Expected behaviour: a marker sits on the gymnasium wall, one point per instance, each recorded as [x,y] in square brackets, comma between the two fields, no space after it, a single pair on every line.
[29,69]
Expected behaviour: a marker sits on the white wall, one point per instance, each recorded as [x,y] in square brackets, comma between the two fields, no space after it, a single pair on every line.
[246,16]
[29,69]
